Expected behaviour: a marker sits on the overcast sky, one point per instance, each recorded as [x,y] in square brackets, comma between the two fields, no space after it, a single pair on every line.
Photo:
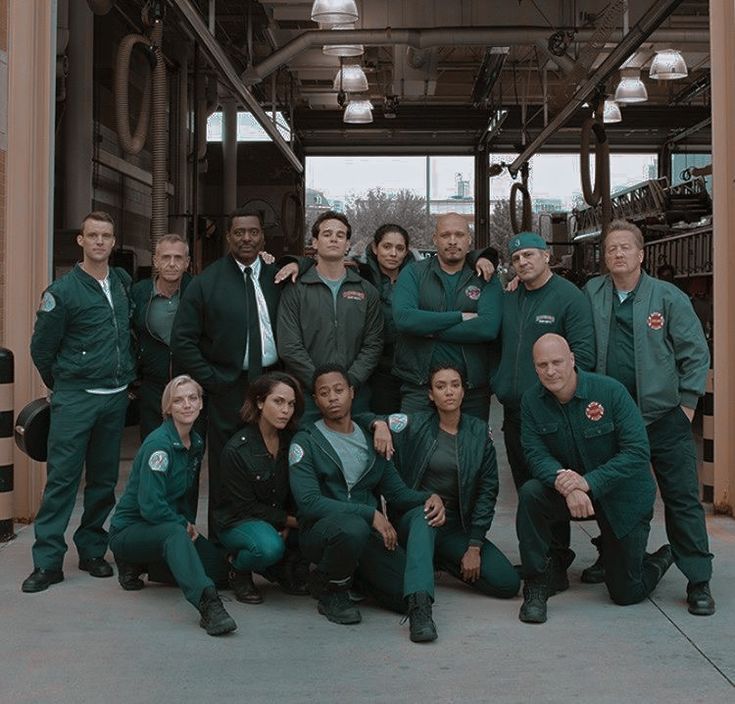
[552,175]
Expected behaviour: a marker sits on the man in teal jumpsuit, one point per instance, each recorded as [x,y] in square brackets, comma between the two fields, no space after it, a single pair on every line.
[444,313]
[543,302]
[587,450]
[81,346]
[650,339]
[156,302]
[337,480]
[331,315]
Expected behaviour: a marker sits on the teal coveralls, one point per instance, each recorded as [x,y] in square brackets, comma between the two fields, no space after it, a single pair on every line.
[80,343]
[336,523]
[599,434]
[160,500]
[415,440]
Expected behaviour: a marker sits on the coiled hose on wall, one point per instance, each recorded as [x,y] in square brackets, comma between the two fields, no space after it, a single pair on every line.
[526,218]
[134,143]
[600,192]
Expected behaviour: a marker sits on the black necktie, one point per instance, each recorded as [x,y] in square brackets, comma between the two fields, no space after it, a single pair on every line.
[255,346]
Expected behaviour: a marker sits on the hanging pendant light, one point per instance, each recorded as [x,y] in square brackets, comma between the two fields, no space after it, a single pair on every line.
[668,65]
[358,112]
[611,112]
[631,88]
[351,79]
[343,49]
[331,12]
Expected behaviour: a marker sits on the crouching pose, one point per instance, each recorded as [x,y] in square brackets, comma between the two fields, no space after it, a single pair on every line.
[155,519]
[588,453]
[337,479]
[450,453]
[255,515]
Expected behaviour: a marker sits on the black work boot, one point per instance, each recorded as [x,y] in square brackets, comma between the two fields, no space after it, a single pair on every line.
[660,560]
[560,562]
[128,575]
[336,605]
[595,573]
[422,627]
[215,620]
[535,596]
[243,587]
[699,599]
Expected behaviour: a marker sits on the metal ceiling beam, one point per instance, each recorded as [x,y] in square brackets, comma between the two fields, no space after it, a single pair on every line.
[656,14]
[219,60]
[423,38]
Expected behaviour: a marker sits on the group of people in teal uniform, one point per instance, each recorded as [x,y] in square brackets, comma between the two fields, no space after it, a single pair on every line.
[392,473]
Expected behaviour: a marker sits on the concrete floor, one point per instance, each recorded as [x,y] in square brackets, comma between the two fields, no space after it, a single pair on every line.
[87,641]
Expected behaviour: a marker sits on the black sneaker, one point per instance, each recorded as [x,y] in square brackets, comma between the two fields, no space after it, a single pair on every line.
[699,599]
[595,573]
[41,579]
[422,627]
[660,560]
[338,608]
[96,566]
[535,596]
[128,575]
[215,620]
[560,563]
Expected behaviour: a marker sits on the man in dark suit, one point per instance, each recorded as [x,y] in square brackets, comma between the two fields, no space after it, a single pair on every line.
[224,332]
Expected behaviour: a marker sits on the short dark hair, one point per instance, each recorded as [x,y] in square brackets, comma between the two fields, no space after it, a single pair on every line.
[330,215]
[100,216]
[245,213]
[329,368]
[261,388]
[383,230]
[442,367]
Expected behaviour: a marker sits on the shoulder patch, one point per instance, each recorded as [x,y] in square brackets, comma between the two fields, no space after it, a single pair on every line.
[48,302]
[473,292]
[158,461]
[397,422]
[295,453]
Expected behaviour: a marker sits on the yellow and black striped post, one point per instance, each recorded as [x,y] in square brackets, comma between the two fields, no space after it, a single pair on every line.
[707,473]
[7,377]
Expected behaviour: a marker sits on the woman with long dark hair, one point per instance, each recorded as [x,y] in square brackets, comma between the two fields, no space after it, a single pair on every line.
[254,516]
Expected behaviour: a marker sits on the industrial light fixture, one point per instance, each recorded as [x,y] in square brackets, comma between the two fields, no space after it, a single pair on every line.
[668,65]
[358,112]
[351,79]
[611,111]
[331,12]
[631,88]
[343,49]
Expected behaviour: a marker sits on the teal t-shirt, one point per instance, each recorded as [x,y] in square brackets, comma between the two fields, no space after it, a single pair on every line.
[351,448]
[448,352]
[161,315]
[442,474]
[334,286]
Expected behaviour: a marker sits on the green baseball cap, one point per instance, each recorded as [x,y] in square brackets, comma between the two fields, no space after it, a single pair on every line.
[526,240]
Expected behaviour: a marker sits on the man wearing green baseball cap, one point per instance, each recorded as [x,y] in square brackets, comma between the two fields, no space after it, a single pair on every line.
[542,303]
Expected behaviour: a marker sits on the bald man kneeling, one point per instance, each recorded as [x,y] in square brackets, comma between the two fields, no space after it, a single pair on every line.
[588,455]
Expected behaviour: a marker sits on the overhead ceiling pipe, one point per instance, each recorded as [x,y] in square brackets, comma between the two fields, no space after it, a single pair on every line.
[222,63]
[656,14]
[432,37]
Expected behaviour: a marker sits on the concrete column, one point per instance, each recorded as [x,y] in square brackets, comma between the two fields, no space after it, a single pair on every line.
[27,264]
[77,128]
[229,155]
[722,62]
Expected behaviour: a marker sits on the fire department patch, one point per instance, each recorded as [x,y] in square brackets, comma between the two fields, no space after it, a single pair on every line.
[594,410]
[353,295]
[397,422]
[158,461]
[656,320]
[546,319]
[48,302]
[472,292]
[295,454]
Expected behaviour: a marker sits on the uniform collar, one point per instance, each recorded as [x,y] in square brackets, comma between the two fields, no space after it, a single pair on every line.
[254,267]
[173,435]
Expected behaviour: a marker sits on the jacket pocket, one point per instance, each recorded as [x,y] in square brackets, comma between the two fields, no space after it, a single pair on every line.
[599,429]
[548,428]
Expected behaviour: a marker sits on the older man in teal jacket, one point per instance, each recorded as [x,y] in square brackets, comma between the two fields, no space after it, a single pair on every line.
[649,338]
[586,447]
